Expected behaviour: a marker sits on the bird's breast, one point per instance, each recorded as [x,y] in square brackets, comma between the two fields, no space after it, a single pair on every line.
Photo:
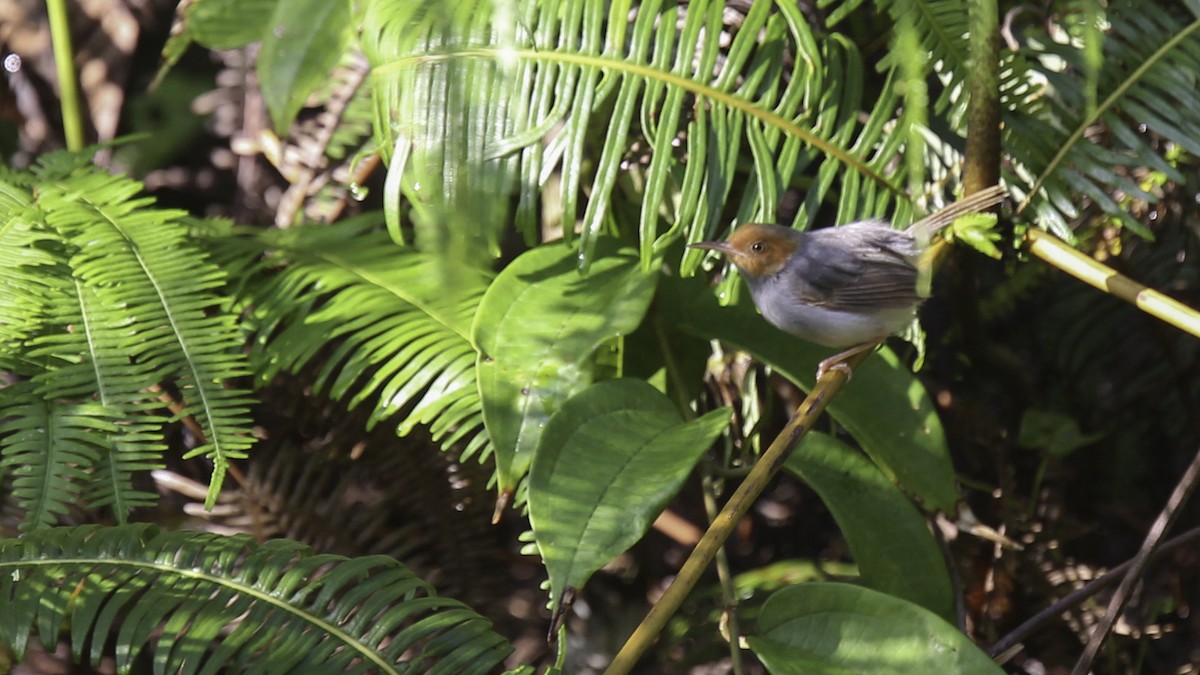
[822,325]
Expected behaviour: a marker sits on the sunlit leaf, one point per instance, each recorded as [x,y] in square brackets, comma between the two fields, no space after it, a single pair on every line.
[608,462]
[303,42]
[536,330]
[839,628]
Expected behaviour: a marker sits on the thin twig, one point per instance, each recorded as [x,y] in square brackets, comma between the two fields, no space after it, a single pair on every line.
[729,610]
[720,529]
[1110,578]
[1179,496]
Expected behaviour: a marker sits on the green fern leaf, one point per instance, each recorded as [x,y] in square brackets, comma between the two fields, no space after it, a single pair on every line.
[1054,119]
[26,287]
[152,284]
[49,447]
[942,29]
[102,299]
[479,100]
[397,323]
[206,603]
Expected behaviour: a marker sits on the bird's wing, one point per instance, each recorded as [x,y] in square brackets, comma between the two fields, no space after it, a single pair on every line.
[861,266]
[868,265]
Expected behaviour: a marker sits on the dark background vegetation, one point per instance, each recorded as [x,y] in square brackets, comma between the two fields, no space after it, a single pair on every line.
[1006,339]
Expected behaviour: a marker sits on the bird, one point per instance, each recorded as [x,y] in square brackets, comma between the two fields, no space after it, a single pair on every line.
[846,286]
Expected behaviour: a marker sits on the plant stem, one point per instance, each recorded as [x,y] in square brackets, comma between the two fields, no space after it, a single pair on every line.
[1002,646]
[728,594]
[675,379]
[722,526]
[982,162]
[1166,518]
[1063,256]
[64,65]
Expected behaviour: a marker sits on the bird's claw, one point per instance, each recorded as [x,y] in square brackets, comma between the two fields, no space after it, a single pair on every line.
[836,363]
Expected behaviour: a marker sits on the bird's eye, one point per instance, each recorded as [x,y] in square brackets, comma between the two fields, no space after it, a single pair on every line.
[758,247]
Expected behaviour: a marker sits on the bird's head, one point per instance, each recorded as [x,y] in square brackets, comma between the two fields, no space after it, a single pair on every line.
[757,249]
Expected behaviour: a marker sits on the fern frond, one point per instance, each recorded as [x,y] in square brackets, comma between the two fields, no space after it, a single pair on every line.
[49,447]
[1064,144]
[90,348]
[156,292]
[103,298]
[398,322]
[26,286]
[203,603]
[508,94]
[942,27]
[68,356]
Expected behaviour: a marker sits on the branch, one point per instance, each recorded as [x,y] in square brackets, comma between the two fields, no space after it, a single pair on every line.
[737,506]
[1061,255]
[1166,518]
[1000,650]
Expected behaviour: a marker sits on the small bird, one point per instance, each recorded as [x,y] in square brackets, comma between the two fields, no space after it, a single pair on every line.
[841,286]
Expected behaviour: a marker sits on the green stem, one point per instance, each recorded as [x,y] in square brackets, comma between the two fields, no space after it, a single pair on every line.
[675,379]
[982,162]
[64,64]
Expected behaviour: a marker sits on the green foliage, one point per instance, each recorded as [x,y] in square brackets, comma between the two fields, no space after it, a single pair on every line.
[608,462]
[390,325]
[887,535]
[941,28]
[1149,69]
[838,628]
[1054,433]
[205,603]
[105,300]
[50,446]
[625,129]
[591,80]
[216,24]
[303,41]
[537,330]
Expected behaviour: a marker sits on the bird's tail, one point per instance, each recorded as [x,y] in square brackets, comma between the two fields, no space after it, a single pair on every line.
[980,201]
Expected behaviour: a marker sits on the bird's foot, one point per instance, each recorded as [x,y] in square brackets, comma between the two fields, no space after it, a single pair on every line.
[837,362]
[834,363]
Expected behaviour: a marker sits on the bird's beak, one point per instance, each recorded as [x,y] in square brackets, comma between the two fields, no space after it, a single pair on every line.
[718,246]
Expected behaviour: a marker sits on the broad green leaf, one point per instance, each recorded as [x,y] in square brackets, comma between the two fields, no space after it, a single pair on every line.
[536,330]
[894,549]
[229,24]
[216,24]
[840,628]
[608,462]
[784,573]
[304,41]
[884,407]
